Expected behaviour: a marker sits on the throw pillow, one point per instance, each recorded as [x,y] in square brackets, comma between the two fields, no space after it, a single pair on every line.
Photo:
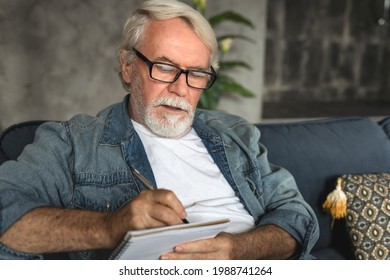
[368,214]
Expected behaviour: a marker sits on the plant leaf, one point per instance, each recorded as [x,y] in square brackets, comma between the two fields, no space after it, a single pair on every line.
[230,16]
[229,85]
[223,85]
[209,99]
[225,65]
[200,6]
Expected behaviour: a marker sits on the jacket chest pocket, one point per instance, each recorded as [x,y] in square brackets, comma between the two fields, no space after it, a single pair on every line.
[103,192]
[252,177]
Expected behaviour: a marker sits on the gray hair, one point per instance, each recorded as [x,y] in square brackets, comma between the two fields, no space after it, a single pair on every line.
[157,10]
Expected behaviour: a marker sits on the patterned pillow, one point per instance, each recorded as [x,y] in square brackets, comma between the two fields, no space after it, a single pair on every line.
[368,214]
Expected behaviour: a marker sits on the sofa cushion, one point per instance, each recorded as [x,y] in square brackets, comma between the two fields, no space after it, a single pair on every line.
[316,152]
[328,253]
[368,212]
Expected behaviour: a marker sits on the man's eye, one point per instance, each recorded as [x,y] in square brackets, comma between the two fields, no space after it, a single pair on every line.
[197,74]
[165,68]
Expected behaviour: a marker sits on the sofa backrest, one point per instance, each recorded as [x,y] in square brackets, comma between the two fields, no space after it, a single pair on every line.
[15,138]
[316,152]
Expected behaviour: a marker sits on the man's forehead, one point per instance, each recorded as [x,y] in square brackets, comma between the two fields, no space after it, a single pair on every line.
[175,41]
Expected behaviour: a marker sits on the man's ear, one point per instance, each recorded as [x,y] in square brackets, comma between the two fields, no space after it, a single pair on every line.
[125,68]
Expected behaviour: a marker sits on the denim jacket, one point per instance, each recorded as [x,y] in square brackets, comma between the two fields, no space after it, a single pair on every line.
[84,164]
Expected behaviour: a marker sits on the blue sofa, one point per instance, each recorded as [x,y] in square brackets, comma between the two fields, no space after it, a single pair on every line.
[316,152]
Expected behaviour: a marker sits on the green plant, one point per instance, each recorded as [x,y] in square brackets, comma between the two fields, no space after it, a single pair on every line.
[224,84]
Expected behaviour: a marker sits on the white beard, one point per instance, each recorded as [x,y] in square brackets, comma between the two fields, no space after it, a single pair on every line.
[162,124]
[169,125]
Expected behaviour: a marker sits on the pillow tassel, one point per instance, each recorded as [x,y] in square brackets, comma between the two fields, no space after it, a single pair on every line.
[336,202]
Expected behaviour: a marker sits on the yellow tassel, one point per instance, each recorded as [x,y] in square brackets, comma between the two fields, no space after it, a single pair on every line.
[336,202]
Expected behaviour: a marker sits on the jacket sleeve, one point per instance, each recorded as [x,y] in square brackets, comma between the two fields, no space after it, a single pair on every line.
[268,192]
[285,206]
[41,176]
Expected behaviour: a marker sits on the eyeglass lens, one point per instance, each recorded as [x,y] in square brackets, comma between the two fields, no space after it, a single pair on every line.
[169,73]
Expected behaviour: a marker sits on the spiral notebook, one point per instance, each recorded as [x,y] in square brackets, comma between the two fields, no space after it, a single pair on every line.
[150,244]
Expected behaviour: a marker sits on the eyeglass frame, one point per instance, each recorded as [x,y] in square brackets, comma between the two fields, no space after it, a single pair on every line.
[150,65]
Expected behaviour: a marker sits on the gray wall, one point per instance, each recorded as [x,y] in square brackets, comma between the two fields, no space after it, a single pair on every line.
[57,58]
[329,52]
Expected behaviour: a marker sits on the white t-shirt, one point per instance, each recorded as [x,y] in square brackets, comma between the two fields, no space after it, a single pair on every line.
[185,167]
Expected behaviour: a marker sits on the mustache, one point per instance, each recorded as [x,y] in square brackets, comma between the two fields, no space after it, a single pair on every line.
[176,103]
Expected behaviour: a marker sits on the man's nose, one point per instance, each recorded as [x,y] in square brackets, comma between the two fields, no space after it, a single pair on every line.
[180,86]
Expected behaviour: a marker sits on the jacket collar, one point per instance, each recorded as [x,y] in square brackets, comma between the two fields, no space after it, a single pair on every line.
[117,126]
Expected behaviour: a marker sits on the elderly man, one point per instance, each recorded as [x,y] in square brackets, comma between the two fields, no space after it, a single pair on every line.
[78,193]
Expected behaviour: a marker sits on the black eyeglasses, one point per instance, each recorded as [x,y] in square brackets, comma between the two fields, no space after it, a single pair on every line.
[168,73]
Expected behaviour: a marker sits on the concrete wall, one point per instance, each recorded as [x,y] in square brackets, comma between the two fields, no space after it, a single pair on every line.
[327,51]
[57,58]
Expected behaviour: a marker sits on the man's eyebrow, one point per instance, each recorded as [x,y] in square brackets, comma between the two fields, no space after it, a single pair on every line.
[168,60]
[165,59]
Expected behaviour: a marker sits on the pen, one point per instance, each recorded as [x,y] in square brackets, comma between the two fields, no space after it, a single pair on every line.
[147,183]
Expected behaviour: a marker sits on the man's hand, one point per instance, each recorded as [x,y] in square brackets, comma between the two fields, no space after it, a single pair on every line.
[266,242]
[150,209]
[218,248]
